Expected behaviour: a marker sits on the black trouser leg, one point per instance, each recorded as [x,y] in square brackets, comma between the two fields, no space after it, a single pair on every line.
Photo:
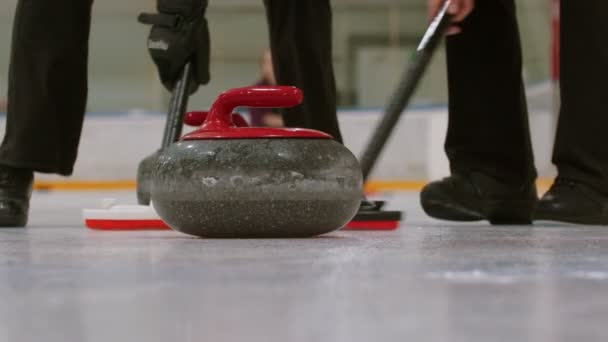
[47,85]
[488,124]
[301,44]
[581,145]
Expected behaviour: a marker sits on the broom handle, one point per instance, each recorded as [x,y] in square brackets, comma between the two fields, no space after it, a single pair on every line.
[177,108]
[406,88]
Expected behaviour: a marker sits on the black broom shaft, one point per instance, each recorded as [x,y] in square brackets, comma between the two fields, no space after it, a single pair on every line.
[177,109]
[405,89]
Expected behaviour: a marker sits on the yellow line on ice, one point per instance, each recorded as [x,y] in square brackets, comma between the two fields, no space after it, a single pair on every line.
[84,185]
[114,185]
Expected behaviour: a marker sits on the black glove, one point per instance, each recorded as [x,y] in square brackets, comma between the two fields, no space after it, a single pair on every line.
[179,35]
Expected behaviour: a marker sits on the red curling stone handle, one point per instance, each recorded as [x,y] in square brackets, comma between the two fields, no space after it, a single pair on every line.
[196,118]
[220,115]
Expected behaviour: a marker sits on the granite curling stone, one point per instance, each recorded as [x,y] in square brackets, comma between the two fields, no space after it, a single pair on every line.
[144,178]
[224,181]
[144,170]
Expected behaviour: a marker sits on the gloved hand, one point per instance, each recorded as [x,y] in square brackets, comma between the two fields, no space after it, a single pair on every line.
[179,35]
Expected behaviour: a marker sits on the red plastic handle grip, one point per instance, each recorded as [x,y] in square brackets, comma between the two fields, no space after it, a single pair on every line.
[271,97]
[197,118]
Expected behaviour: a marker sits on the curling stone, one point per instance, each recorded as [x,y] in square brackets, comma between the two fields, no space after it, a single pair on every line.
[173,130]
[144,178]
[144,169]
[224,181]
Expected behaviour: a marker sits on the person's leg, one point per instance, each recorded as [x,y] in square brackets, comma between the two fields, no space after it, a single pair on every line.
[301,45]
[581,148]
[488,124]
[488,140]
[46,98]
[47,85]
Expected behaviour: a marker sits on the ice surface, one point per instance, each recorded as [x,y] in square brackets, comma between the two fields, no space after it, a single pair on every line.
[428,281]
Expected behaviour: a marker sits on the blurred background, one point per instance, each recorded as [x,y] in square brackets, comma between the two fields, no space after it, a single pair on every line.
[372,39]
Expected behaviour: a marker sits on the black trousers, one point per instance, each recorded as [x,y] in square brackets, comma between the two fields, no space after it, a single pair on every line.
[301,45]
[488,121]
[48,76]
[47,89]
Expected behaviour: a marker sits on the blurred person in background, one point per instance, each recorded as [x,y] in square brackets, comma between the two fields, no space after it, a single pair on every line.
[268,117]
[488,140]
[47,88]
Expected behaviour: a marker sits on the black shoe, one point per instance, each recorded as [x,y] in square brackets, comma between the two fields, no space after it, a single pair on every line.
[477,197]
[15,192]
[573,202]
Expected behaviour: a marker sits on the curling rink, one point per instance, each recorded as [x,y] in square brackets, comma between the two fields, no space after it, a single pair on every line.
[427,281]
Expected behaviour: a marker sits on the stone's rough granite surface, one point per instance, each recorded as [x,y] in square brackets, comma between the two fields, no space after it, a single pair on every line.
[256,187]
[144,178]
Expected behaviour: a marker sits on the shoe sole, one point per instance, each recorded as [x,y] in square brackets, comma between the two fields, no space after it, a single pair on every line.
[449,212]
[497,212]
